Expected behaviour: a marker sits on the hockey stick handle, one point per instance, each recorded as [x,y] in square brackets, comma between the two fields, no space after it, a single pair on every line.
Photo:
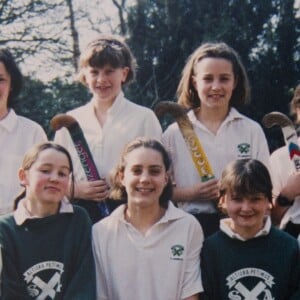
[82,149]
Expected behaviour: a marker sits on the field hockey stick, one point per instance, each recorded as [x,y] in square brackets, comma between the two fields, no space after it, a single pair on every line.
[82,149]
[289,134]
[187,130]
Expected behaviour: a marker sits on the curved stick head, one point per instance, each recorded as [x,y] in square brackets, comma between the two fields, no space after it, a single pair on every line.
[276,118]
[62,120]
[169,107]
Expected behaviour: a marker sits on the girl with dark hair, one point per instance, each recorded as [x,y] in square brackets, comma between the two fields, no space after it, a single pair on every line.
[248,258]
[17,133]
[46,243]
[148,240]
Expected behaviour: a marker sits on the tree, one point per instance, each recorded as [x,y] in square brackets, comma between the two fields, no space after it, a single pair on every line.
[163,33]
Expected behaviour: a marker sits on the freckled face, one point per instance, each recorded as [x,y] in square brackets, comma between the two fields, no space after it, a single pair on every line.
[214,82]
[144,177]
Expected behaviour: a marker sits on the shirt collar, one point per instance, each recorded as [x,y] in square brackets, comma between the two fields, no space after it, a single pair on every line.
[21,214]
[116,106]
[172,213]
[233,114]
[10,121]
[225,227]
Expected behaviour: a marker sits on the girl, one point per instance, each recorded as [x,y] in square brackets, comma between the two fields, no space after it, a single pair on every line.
[213,84]
[248,258]
[148,240]
[109,120]
[45,244]
[13,129]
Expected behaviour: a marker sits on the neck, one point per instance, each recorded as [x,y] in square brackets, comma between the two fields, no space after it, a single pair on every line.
[3,113]
[143,218]
[211,118]
[40,210]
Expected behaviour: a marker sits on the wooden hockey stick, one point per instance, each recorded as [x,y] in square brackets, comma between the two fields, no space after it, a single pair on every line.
[289,134]
[82,149]
[187,130]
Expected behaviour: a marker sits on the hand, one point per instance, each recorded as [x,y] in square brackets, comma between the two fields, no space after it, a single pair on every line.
[206,190]
[292,187]
[201,191]
[97,190]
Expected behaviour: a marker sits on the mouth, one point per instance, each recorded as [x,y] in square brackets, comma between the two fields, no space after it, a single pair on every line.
[145,190]
[52,188]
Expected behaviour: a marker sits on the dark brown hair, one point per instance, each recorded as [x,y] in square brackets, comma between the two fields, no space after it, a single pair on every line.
[118,190]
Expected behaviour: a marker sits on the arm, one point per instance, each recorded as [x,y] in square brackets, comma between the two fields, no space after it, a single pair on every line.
[194,297]
[201,191]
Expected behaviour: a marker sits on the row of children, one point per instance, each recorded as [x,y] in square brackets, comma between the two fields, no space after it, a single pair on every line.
[128,243]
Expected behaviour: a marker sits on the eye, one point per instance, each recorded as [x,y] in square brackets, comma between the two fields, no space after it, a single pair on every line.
[155,171]
[207,78]
[136,170]
[236,198]
[63,174]
[45,171]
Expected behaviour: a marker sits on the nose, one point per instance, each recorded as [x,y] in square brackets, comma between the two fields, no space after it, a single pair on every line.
[246,206]
[54,177]
[144,176]
[215,85]
[101,76]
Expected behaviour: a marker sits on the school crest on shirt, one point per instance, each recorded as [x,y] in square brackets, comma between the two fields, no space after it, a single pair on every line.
[250,283]
[44,280]
[243,150]
[177,252]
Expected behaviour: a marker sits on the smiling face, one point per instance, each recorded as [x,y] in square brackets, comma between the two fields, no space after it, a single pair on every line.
[5,85]
[46,181]
[214,82]
[105,83]
[144,177]
[247,212]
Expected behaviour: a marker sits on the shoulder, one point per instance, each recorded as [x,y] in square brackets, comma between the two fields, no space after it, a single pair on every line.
[134,108]
[279,153]
[7,224]
[81,214]
[28,123]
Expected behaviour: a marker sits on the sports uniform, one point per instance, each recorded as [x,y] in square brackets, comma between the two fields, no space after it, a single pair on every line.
[263,267]
[17,135]
[47,258]
[125,121]
[163,264]
[238,137]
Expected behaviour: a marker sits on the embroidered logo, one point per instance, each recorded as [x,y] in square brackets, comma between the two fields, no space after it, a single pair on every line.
[177,252]
[44,280]
[262,283]
[243,149]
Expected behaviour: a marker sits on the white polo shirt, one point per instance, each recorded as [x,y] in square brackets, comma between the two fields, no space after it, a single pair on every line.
[17,135]
[238,137]
[125,121]
[281,168]
[164,264]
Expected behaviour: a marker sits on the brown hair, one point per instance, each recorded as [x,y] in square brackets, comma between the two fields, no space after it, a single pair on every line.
[246,177]
[107,49]
[118,190]
[186,92]
[32,155]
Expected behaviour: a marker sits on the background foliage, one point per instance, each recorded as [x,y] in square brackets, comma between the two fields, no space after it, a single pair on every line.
[46,37]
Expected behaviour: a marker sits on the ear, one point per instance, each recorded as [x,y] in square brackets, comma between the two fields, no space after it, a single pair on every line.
[125,73]
[222,202]
[23,177]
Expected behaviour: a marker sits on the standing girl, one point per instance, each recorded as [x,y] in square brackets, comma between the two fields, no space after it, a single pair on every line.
[213,84]
[109,120]
[146,249]
[13,129]
[248,258]
[45,244]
